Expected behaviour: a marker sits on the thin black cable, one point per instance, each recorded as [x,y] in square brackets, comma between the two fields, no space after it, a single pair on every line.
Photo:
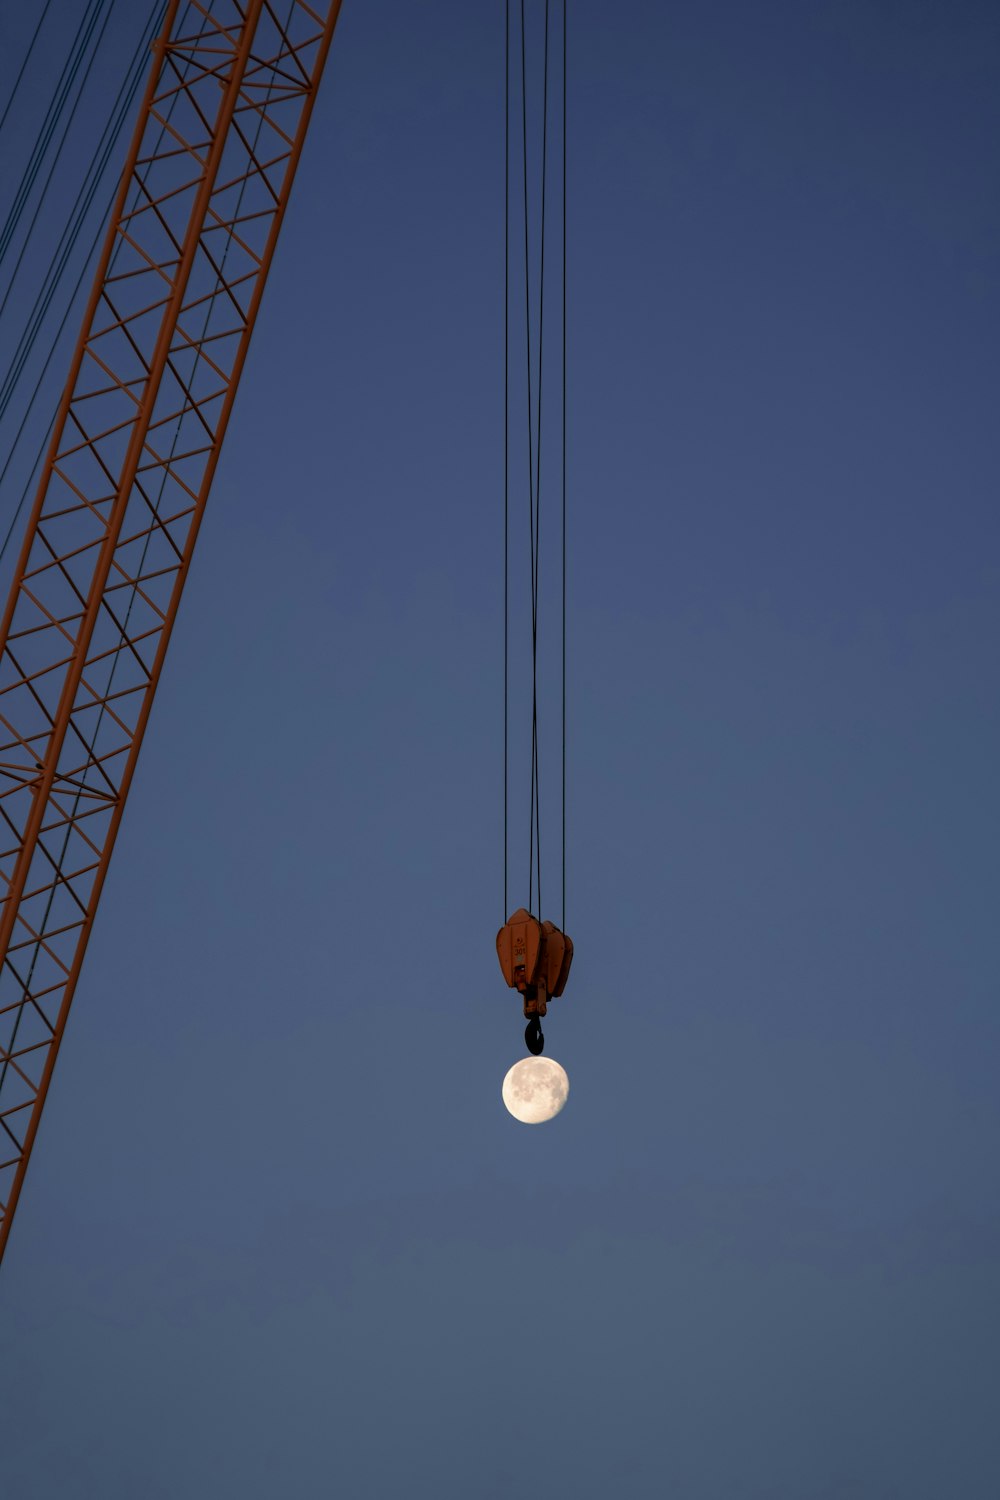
[506,433]
[538,473]
[24,64]
[138,67]
[43,300]
[531,466]
[91,748]
[564,475]
[53,115]
[73,226]
[56,156]
[26,983]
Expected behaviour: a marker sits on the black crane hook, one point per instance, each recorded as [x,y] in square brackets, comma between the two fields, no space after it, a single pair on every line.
[534,1040]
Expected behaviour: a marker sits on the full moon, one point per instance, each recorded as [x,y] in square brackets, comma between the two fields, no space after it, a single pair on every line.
[535,1089]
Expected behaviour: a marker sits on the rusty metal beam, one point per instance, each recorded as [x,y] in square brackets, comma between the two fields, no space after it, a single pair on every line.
[120,501]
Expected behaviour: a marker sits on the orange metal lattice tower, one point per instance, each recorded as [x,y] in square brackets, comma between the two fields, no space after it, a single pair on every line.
[135,445]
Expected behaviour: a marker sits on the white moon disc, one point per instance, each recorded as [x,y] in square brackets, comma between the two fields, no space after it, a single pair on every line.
[535,1089]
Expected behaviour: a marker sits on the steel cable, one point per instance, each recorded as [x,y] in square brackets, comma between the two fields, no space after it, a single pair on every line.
[55,159]
[78,50]
[24,63]
[535,762]
[534,404]
[564,472]
[506,437]
[64,250]
[91,748]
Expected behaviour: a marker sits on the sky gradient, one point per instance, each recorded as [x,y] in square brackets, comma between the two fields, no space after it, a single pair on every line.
[279,1235]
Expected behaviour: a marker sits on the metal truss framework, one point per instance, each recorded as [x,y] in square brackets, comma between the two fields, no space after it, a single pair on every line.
[121,498]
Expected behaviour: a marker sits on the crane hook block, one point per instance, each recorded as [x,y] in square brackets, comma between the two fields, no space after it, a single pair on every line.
[535,959]
[519,949]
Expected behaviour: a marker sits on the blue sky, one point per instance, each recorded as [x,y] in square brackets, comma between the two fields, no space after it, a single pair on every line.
[279,1235]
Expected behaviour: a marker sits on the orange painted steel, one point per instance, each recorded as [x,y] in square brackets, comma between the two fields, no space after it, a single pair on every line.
[535,959]
[121,498]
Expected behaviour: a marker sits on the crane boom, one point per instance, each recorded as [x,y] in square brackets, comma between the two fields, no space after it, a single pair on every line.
[123,490]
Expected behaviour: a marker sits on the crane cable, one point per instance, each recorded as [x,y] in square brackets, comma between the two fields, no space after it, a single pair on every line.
[534,442]
[57,105]
[92,746]
[24,63]
[56,863]
[534,491]
[55,159]
[54,276]
[563,589]
[30,331]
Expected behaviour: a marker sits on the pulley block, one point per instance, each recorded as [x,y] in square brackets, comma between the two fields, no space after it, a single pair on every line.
[535,959]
